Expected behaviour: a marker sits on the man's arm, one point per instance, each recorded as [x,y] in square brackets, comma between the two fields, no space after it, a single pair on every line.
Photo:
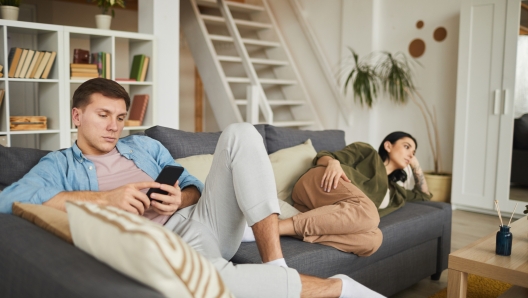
[127,197]
[190,196]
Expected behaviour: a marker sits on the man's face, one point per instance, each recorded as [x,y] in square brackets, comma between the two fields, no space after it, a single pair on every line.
[99,124]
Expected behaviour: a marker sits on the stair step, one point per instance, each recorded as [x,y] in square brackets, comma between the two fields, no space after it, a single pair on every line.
[274,102]
[233,6]
[262,81]
[291,123]
[253,60]
[241,24]
[246,41]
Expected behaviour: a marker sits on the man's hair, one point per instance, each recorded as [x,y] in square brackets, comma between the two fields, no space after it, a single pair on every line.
[108,88]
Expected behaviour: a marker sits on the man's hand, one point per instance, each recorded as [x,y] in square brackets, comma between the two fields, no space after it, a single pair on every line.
[129,197]
[167,204]
[332,174]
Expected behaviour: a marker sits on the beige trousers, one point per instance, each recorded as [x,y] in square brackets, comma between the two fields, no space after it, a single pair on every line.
[344,218]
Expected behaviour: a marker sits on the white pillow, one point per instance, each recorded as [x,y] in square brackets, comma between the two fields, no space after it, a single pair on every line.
[197,165]
[144,251]
[289,165]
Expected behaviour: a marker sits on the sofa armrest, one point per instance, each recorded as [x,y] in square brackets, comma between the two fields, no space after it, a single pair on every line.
[36,263]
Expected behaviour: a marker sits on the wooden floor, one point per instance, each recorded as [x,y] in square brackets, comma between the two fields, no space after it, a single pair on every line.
[467,227]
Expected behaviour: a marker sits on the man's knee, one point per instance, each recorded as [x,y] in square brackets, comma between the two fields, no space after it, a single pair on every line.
[240,129]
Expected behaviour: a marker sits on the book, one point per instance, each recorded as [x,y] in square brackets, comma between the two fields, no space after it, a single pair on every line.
[85,70]
[42,65]
[21,63]
[1,67]
[97,61]
[135,70]
[83,66]
[103,65]
[27,62]
[49,65]
[37,64]
[14,60]
[144,69]
[84,74]
[125,80]
[81,56]
[108,66]
[32,65]
[2,93]
[138,107]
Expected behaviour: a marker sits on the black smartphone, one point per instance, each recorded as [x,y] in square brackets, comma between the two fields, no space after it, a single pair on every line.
[169,175]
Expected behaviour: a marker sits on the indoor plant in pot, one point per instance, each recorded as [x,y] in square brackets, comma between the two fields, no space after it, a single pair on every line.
[10,9]
[104,20]
[393,74]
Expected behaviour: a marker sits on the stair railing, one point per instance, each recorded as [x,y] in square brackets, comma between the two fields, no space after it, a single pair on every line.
[255,93]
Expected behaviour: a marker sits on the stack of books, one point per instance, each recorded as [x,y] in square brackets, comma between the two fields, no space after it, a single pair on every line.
[30,64]
[103,62]
[81,71]
[139,68]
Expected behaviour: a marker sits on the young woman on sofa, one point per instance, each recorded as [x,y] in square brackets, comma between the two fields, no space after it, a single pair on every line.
[345,192]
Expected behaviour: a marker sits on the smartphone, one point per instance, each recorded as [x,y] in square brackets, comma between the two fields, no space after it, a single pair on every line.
[169,175]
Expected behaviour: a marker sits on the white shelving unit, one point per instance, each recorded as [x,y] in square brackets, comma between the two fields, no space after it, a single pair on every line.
[52,97]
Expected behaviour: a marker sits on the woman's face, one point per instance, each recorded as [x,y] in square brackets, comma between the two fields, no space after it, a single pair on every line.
[401,152]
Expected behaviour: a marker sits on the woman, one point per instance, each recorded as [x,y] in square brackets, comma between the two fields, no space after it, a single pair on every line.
[345,192]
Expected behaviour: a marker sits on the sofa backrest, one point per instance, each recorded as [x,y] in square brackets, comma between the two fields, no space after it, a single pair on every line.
[16,162]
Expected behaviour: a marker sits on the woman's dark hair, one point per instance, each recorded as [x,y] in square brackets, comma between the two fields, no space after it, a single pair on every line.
[108,88]
[397,175]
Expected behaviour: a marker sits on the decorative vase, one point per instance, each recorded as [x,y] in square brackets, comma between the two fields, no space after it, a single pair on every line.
[439,185]
[9,12]
[504,238]
[103,21]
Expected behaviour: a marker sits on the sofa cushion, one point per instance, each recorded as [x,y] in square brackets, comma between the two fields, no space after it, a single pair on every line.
[197,165]
[50,219]
[409,226]
[182,143]
[16,162]
[143,250]
[289,165]
[279,138]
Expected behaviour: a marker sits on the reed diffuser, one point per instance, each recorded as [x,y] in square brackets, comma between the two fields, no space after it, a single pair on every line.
[504,237]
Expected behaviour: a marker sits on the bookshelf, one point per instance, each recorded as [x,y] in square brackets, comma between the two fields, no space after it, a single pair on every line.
[51,97]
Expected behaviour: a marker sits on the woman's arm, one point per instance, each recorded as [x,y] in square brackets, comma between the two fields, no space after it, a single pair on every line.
[419,178]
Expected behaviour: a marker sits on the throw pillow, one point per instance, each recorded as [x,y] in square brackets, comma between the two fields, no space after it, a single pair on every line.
[197,165]
[48,218]
[288,165]
[144,251]
[282,137]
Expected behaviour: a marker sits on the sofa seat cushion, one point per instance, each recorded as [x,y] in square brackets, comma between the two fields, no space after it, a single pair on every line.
[410,226]
[183,143]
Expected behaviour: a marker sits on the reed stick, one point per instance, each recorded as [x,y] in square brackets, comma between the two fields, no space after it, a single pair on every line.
[512,213]
[498,211]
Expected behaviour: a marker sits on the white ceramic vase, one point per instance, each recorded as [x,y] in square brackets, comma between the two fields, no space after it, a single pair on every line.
[9,12]
[103,21]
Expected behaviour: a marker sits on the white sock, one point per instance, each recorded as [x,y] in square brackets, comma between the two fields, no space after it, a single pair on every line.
[248,235]
[353,289]
[278,262]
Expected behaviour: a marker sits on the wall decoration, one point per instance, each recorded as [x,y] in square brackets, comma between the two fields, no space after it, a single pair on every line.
[419,24]
[417,48]
[440,34]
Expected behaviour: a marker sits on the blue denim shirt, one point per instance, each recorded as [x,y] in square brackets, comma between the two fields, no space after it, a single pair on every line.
[69,170]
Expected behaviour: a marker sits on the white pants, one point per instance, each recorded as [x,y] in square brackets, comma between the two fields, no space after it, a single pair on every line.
[240,187]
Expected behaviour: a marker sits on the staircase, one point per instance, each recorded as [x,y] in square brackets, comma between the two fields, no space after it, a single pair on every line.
[247,71]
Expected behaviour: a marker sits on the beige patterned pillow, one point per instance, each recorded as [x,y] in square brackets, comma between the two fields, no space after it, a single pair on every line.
[144,251]
[197,165]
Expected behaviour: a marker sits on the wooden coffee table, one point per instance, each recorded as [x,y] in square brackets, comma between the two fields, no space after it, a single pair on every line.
[479,258]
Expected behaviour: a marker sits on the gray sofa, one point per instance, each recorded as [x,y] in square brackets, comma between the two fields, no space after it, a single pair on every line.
[35,263]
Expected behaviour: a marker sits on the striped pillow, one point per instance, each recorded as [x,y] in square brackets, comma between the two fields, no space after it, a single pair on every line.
[144,251]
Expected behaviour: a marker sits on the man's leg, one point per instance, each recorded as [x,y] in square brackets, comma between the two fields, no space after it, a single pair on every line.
[241,187]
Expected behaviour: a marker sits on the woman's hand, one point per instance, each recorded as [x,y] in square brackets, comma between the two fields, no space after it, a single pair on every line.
[419,178]
[332,174]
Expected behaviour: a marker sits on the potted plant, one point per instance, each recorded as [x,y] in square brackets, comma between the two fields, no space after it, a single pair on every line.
[10,9]
[393,75]
[104,20]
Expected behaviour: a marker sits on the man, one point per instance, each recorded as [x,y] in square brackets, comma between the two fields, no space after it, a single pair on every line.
[104,169]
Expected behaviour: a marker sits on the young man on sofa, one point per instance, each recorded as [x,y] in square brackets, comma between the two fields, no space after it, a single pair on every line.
[104,169]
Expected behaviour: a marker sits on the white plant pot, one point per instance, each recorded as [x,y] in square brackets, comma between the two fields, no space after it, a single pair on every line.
[9,12]
[103,21]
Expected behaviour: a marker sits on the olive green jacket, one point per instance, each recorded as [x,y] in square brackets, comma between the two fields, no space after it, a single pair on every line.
[364,167]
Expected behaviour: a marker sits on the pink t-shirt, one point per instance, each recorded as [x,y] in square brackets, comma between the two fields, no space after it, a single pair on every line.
[115,170]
